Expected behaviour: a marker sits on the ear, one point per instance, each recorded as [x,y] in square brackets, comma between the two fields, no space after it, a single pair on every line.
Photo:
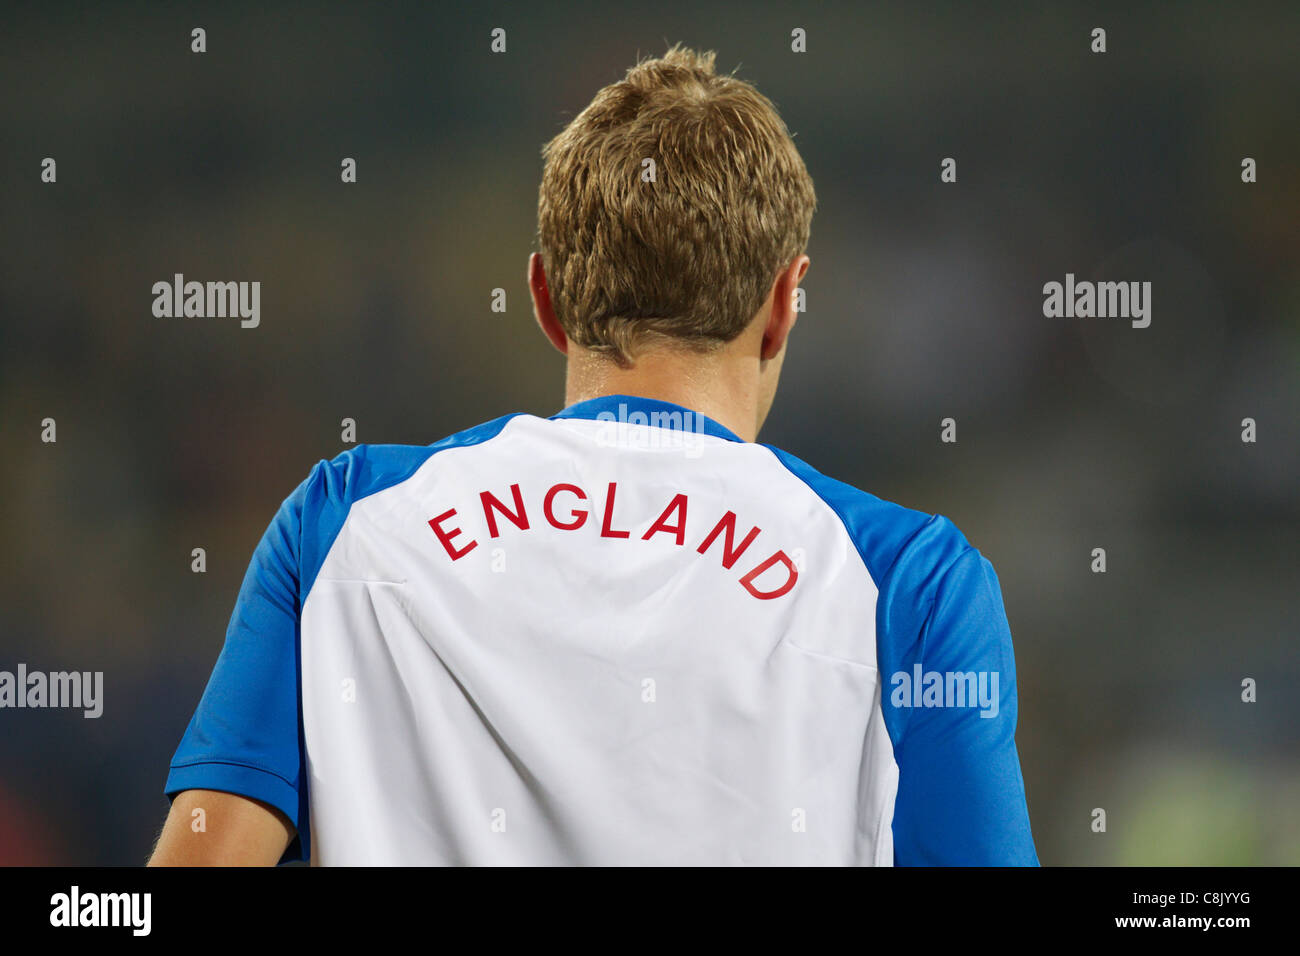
[783,315]
[542,309]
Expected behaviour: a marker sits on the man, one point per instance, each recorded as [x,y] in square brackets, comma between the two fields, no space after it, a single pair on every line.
[625,634]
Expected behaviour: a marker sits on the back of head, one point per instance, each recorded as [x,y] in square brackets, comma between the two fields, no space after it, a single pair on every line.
[685,246]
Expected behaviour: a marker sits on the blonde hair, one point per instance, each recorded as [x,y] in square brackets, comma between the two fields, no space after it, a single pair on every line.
[691,255]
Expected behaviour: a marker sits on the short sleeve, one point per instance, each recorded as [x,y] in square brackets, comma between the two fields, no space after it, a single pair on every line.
[961,797]
[245,737]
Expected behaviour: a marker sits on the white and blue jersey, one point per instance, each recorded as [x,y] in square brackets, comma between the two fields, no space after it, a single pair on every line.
[619,635]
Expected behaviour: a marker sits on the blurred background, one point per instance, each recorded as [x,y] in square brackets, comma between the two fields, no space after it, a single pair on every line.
[924,302]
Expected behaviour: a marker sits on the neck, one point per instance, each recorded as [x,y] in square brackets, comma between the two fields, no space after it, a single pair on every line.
[720,385]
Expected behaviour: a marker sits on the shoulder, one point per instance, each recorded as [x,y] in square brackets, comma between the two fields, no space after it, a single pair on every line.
[367,469]
[314,514]
[903,549]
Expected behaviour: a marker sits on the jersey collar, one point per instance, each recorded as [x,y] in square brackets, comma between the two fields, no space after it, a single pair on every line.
[620,407]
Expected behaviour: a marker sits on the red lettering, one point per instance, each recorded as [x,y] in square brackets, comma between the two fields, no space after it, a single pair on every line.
[729,555]
[605,531]
[548,503]
[519,519]
[446,536]
[748,579]
[661,523]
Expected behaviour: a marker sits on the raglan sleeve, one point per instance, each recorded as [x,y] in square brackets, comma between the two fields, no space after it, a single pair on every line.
[961,796]
[245,737]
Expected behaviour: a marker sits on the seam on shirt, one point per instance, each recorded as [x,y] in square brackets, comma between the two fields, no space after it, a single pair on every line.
[831,658]
[233,763]
[924,634]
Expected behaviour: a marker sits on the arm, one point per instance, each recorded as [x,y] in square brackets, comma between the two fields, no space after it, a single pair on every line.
[961,797]
[211,828]
[241,758]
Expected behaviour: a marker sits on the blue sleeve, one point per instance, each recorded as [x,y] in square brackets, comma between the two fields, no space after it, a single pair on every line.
[961,798]
[246,737]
